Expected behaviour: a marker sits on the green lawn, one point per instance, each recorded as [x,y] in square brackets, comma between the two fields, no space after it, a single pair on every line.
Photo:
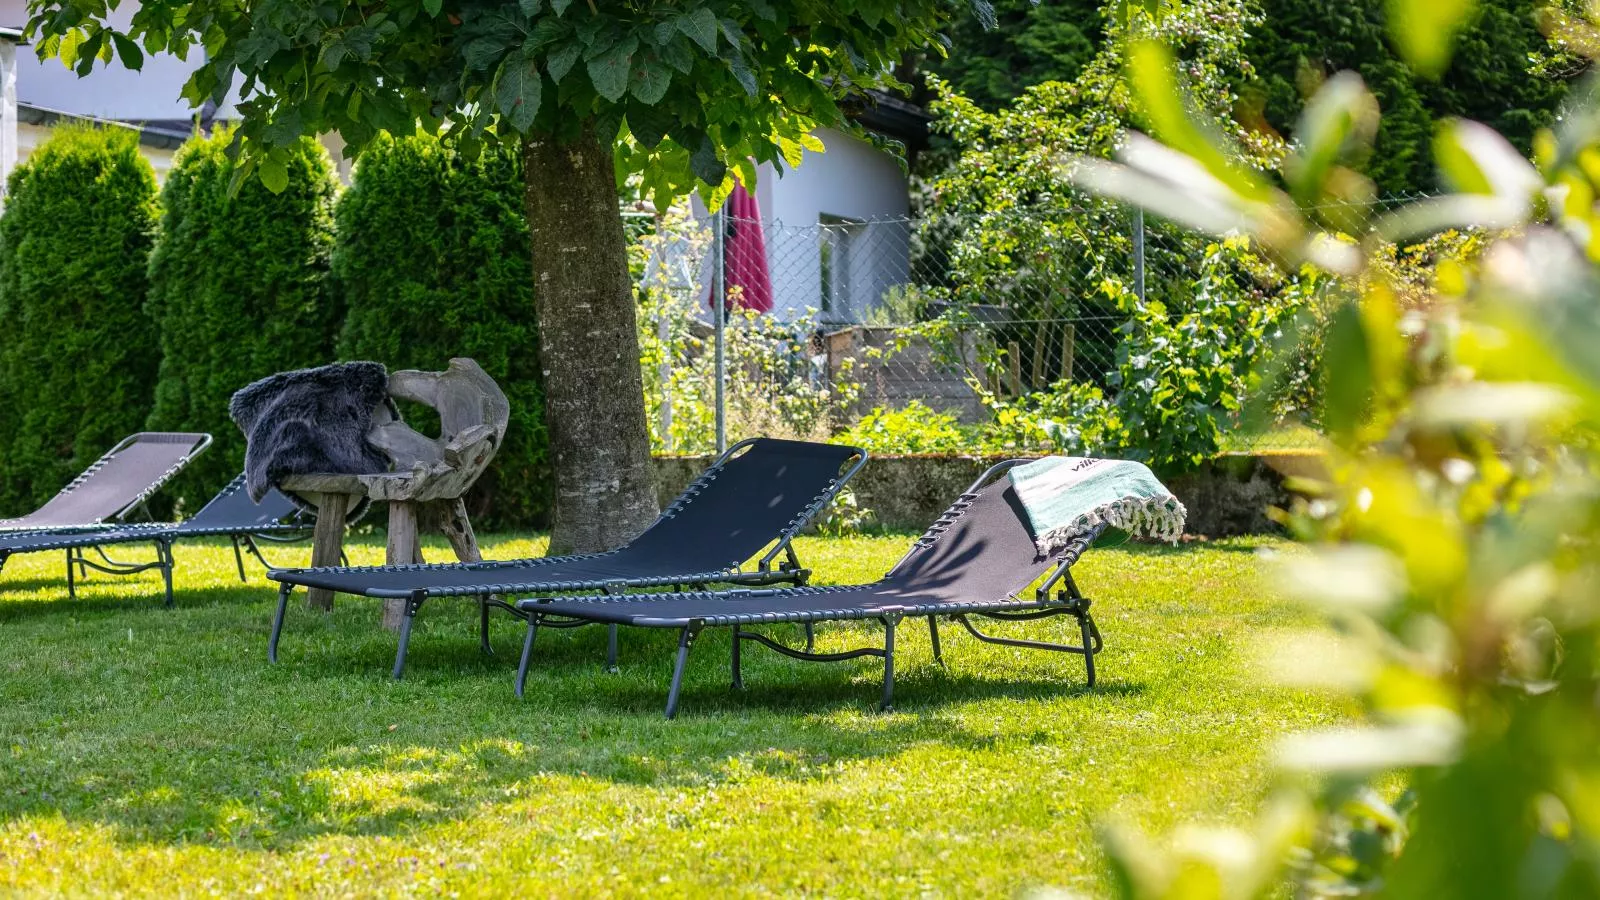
[156,752]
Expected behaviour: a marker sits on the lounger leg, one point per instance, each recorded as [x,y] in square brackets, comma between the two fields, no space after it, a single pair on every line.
[933,631]
[238,555]
[412,606]
[405,641]
[888,663]
[483,626]
[164,560]
[611,648]
[527,652]
[685,641]
[277,621]
[72,588]
[1091,635]
[811,636]
[738,676]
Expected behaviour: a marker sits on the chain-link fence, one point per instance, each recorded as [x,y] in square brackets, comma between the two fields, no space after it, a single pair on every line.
[1083,330]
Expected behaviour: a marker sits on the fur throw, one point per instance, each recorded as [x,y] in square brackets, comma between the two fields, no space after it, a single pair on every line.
[312,421]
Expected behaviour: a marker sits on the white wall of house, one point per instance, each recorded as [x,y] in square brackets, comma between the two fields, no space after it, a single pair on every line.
[109,91]
[840,213]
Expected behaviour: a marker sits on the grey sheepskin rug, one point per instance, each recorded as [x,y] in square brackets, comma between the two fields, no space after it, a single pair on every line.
[311,421]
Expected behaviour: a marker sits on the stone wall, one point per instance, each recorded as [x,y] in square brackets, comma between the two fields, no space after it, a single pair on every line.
[905,493]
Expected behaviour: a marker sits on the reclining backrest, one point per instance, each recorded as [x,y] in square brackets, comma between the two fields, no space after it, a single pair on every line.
[981,549]
[233,510]
[127,475]
[733,511]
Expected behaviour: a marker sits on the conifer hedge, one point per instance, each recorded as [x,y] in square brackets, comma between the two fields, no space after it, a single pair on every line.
[78,355]
[239,290]
[432,262]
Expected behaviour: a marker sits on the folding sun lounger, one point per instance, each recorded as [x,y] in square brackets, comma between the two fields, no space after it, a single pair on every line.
[117,484]
[976,559]
[759,492]
[230,514]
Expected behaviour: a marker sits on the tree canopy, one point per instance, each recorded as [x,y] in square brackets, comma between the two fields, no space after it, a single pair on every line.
[698,85]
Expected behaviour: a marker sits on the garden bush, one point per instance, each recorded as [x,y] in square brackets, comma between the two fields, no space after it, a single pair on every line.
[78,355]
[238,289]
[431,261]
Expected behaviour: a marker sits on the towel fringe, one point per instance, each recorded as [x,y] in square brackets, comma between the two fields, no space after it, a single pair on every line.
[1161,518]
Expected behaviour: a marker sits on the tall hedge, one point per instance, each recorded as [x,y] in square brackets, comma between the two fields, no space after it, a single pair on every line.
[78,355]
[239,289]
[1488,79]
[432,262]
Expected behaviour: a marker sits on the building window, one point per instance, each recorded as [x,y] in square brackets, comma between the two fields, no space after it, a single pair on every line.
[836,236]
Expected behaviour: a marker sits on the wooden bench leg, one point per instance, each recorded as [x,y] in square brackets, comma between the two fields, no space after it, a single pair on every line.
[327,543]
[402,551]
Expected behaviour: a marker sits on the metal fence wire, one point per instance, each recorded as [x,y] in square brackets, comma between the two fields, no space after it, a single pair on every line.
[831,322]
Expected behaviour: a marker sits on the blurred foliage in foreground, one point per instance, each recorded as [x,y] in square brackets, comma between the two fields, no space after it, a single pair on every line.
[1455,533]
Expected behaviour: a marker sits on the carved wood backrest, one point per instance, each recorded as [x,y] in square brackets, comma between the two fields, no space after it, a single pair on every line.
[473,415]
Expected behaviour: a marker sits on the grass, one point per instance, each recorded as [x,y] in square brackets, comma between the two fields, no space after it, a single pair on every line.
[155,752]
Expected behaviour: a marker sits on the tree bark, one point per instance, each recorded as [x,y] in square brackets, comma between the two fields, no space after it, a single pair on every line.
[589,344]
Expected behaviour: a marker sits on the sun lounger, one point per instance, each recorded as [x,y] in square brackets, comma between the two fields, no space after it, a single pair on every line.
[230,514]
[117,484]
[978,559]
[756,496]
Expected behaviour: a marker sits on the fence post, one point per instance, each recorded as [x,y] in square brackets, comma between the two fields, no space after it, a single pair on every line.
[719,317]
[1138,253]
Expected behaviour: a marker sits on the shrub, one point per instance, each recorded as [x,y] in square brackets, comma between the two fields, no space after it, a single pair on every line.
[238,288]
[78,356]
[914,428]
[431,261]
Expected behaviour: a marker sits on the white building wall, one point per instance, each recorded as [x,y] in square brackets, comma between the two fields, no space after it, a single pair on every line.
[853,181]
[107,92]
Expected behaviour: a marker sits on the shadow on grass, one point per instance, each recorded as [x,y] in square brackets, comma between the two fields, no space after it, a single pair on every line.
[190,736]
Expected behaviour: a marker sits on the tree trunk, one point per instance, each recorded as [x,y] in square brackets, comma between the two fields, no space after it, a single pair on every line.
[589,344]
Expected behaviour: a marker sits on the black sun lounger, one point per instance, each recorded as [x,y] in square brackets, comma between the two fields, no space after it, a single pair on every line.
[759,492]
[116,484]
[230,514]
[977,559]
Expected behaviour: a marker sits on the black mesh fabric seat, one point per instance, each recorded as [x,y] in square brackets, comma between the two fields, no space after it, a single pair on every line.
[230,514]
[978,559]
[755,497]
[117,483]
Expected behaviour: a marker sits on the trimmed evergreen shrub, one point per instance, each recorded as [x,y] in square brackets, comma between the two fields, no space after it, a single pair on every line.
[78,355]
[432,261]
[239,290]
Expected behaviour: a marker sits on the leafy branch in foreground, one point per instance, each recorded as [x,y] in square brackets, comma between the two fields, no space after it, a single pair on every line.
[1454,536]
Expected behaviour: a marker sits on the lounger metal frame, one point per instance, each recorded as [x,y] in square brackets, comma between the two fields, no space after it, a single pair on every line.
[139,501]
[77,543]
[1057,596]
[769,569]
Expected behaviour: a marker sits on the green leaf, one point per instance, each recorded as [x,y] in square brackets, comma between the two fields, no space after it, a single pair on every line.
[701,27]
[1341,117]
[1152,73]
[432,7]
[1348,362]
[1475,159]
[131,55]
[650,79]
[561,62]
[274,172]
[518,93]
[560,6]
[530,8]
[610,70]
[745,77]
[678,55]
[1423,31]
[705,165]
[649,124]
